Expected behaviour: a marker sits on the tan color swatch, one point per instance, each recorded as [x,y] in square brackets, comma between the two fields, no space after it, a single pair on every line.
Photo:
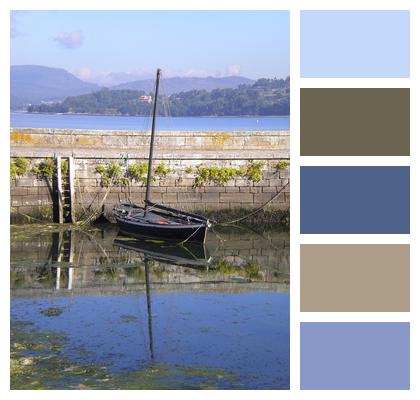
[360,277]
[355,122]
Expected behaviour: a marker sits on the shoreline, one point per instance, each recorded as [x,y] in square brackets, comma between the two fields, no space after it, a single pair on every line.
[146,116]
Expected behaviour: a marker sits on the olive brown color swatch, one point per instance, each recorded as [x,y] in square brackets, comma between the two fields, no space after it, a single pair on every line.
[355,122]
[355,277]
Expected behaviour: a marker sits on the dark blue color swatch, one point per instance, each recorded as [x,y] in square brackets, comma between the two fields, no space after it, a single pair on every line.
[355,200]
[355,355]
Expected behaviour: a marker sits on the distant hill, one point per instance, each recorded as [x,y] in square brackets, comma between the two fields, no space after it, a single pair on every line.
[263,97]
[177,85]
[32,84]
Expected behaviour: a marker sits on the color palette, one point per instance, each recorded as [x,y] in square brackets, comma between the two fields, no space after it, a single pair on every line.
[358,124]
[355,199]
[355,44]
[355,355]
[355,277]
[355,122]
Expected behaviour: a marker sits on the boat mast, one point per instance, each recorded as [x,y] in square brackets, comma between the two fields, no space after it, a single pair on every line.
[149,308]
[152,140]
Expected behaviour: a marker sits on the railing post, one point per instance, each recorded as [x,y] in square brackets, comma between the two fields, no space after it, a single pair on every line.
[59,190]
[71,188]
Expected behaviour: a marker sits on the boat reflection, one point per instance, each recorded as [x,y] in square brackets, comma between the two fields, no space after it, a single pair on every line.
[189,254]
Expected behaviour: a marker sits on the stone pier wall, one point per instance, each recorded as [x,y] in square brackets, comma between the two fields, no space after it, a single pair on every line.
[181,152]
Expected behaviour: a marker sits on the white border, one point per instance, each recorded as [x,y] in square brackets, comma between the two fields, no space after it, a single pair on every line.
[294,6]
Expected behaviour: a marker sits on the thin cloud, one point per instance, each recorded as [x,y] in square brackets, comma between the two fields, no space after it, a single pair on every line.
[108,78]
[14,24]
[69,40]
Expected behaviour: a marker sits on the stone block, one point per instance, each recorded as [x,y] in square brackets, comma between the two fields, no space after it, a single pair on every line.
[232,189]
[275,182]
[280,198]
[138,189]
[21,191]
[236,197]
[30,200]
[269,189]
[210,197]
[142,142]
[263,197]
[25,182]
[17,201]
[88,182]
[242,182]
[262,182]
[169,198]
[214,189]
[189,197]
[31,190]
[179,189]
[183,182]
[160,189]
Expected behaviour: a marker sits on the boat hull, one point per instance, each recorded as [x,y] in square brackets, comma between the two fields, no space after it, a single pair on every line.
[190,232]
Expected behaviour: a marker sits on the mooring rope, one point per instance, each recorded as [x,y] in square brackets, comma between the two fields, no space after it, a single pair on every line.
[258,209]
[192,234]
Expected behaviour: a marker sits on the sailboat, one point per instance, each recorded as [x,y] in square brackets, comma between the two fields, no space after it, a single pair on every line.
[155,220]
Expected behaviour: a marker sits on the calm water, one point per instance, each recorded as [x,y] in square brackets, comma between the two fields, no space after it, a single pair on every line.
[25,120]
[93,309]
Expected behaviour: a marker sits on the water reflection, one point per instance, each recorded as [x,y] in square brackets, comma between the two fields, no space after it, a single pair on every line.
[133,305]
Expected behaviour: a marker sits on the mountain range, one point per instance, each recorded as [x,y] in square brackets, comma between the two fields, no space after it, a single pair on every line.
[34,84]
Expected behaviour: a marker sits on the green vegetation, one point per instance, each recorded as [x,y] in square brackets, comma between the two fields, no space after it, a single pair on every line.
[214,174]
[45,169]
[37,362]
[111,174]
[65,167]
[281,165]
[52,311]
[251,270]
[189,170]
[18,167]
[254,171]
[264,97]
[162,170]
[48,168]
[138,172]
[221,175]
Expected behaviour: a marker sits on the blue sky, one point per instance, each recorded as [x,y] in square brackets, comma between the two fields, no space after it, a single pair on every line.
[112,46]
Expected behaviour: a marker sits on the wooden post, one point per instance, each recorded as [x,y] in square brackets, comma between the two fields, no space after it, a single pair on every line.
[59,190]
[57,278]
[59,259]
[71,186]
[71,257]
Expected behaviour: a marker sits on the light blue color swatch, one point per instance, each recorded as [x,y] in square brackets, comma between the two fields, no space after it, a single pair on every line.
[355,44]
[355,355]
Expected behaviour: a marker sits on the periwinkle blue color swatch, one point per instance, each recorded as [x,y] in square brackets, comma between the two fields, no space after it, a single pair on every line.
[355,355]
[355,199]
[355,44]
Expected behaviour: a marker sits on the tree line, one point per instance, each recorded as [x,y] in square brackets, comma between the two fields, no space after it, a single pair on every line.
[265,97]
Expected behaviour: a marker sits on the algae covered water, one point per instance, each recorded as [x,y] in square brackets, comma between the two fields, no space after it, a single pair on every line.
[93,309]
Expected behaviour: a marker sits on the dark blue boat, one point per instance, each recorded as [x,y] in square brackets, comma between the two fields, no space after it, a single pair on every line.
[156,220]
